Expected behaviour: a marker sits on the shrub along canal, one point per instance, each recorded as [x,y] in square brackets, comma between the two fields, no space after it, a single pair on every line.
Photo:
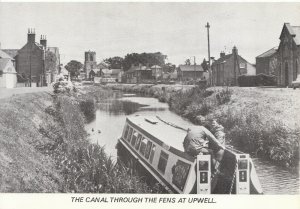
[110,119]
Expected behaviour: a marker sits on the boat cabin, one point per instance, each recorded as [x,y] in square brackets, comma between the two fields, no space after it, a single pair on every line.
[153,148]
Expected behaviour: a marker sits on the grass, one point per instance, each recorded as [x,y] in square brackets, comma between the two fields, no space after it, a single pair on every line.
[44,148]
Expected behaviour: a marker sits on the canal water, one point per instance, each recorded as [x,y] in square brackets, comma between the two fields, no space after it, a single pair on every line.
[110,119]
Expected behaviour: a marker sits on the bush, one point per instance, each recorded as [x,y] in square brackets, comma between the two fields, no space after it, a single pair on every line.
[88,109]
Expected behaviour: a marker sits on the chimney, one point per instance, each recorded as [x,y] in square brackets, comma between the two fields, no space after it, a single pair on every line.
[222,54]
[234,50]
[43,41]
[31,35]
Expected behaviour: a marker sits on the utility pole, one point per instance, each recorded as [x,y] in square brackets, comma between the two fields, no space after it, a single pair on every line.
[209,70]
[194,70]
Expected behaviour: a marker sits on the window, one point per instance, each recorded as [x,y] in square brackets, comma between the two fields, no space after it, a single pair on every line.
[126,132]
[152,153]
[134,136]
[129,135]
[148,149]
[242,65]
[162,163]
[138,142]
[143,146]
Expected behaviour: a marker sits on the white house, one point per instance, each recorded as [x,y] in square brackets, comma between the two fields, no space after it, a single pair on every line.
[8,74]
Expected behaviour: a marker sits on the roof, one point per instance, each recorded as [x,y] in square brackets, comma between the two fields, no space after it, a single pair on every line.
[11,52]
[106,71]
[293,31]
[115,71]
[156,67]
[54,50]
[4,62]
[138,68]
[187,68]
[222,59]
[268,53]
[296,30]
[5,55]
[166,133]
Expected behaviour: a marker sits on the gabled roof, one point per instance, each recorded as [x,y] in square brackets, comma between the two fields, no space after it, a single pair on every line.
[4,62]
[268,53]
[11,52]
[4,55]
[191,68]
[294,31]
[138,68]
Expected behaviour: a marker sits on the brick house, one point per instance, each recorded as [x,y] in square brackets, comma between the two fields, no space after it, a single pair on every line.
[31,61]
[228,67]
[191,72]
[288,55]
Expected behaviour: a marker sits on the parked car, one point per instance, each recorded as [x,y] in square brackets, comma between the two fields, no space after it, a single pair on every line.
[296,83]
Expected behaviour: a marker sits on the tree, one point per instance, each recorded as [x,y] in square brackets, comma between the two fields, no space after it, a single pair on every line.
[114,62]
[50,62]
[74,68]
[204,65]
[169,68]
[150,59]
[188,62]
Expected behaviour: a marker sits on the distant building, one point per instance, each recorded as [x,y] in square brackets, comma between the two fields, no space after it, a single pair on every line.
[228,67]
[138,74]
[31,63]
[8,74]
[90,62]
[288,55]
[157,71]
[191,72]
[266,63]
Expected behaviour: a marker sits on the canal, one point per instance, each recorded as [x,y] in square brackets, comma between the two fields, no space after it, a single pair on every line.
[110,119]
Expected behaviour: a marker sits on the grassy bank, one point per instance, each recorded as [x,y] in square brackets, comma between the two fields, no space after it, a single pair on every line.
[44,147]
[262,122]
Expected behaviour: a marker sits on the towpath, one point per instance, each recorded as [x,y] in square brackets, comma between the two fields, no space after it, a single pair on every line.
[4,93]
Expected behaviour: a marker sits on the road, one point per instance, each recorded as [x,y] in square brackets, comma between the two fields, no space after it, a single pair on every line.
[4,93]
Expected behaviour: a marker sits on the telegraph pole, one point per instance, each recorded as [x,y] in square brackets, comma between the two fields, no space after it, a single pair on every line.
[210,74]
[195,70]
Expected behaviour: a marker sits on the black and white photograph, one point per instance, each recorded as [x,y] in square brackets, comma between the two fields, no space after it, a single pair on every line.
[157,98]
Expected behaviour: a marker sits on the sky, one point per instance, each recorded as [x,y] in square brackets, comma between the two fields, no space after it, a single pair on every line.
[174,29]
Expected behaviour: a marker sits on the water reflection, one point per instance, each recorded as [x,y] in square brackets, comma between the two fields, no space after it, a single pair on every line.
[119,107]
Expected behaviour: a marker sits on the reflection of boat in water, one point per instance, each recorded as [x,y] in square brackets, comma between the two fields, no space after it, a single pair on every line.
[154,149]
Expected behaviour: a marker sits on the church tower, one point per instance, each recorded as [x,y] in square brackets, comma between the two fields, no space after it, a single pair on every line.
[89,62]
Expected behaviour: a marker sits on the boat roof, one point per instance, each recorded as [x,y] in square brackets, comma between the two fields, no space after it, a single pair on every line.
[167,134]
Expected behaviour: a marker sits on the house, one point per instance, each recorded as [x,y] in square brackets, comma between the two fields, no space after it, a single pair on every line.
[117,74]
[8,74]
[266,63]
[33,63]
[228,67]
[157,71]
[138,74]
[288,55]
[191,72]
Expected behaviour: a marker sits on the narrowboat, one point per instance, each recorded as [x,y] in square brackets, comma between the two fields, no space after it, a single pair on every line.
[152,148]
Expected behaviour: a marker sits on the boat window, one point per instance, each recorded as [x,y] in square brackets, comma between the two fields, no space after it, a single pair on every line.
[126,132]
[129,134]
[180,172]
[134,136]
[152,153]
[148,149]
[143,146]
[138,142]
[162,163]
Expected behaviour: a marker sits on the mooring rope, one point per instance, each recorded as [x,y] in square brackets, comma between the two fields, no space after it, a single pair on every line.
[172,124]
